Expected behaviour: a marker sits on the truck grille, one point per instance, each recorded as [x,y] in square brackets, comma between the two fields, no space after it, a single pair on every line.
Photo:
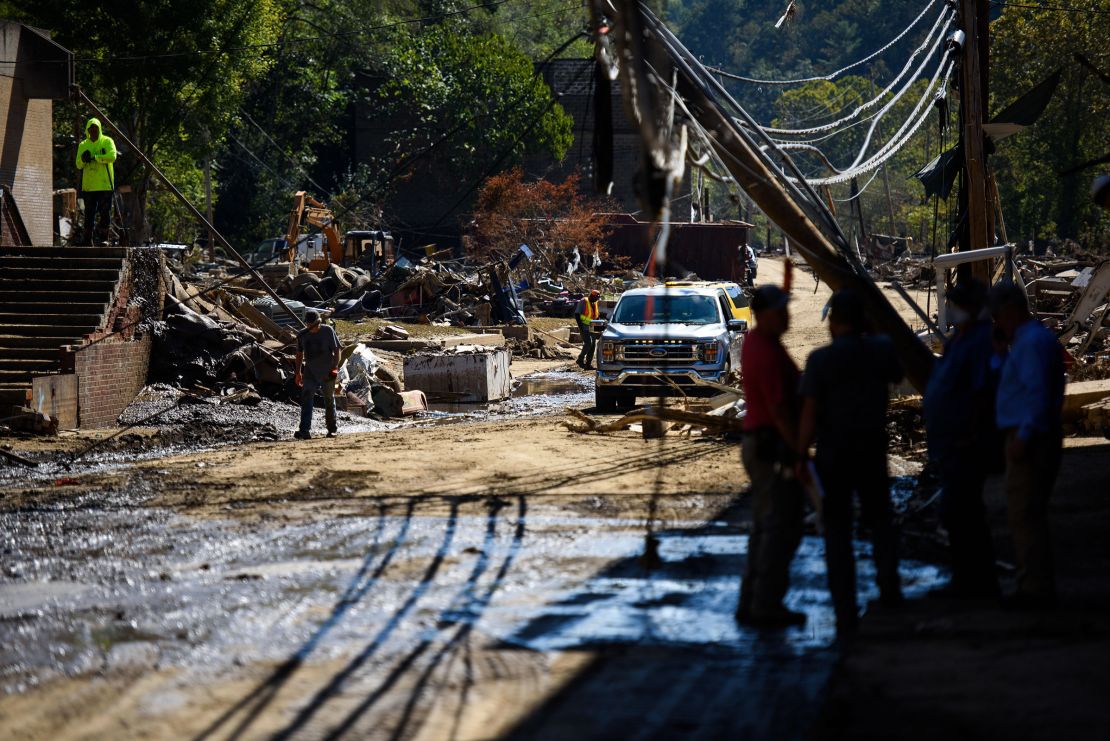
[659,351]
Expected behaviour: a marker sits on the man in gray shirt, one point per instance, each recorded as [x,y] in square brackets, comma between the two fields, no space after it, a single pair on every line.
[317,369]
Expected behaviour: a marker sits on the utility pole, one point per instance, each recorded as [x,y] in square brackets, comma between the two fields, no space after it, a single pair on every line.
[973,72]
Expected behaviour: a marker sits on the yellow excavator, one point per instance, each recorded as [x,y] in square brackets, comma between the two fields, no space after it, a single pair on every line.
[307,210]
[374,247]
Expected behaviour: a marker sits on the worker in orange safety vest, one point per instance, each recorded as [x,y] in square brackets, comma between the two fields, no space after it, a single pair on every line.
[588,309]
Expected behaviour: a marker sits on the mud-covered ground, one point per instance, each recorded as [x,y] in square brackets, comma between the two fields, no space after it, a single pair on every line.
[473,573]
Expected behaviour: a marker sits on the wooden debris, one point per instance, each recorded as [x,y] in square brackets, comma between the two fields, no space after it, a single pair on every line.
[653,415]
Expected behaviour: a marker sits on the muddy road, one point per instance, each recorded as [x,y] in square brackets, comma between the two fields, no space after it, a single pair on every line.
[476,573]
[468,576]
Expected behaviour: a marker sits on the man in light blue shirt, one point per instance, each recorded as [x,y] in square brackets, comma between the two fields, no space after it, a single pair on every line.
[964,443]
[1029,406]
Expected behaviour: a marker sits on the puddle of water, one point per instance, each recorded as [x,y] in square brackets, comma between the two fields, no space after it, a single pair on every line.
[691,598]
[203,591]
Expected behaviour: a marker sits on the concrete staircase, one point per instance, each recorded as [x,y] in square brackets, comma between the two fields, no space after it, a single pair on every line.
[49,297]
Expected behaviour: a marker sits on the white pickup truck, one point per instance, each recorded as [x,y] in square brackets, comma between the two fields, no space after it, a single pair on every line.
[666,340]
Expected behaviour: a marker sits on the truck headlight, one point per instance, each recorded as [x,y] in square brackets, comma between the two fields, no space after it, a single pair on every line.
[710,352]
[608,352]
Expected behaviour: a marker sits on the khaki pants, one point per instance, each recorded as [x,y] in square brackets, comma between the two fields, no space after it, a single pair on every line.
[1029,483]
[776,532]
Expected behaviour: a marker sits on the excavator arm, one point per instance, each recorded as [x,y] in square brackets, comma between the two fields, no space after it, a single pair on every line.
[308,210]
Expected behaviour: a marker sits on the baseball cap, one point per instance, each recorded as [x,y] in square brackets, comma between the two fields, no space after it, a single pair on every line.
[769,297]
[311,316]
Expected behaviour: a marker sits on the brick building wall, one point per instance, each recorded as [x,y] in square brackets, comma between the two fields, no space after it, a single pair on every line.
[33,72]
[26,159]
[113,362]
[110,374]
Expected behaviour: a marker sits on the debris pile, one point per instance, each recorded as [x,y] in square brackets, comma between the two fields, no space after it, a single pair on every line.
[1071,295]
[537,347]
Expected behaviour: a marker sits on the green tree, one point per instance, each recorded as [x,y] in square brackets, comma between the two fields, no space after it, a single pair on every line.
[1028,45]
[170,74]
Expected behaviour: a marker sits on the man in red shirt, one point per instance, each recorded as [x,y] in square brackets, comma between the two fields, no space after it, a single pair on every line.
[770,435]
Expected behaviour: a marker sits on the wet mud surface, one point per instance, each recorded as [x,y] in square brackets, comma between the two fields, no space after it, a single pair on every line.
[375,608]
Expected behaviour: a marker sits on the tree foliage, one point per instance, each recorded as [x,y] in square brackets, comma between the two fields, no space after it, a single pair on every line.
[1039,197]
[553,219]
[170,74]
[1042,198]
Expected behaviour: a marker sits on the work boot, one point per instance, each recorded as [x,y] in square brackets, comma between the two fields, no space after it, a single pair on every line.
[300,435]
[1029,602]
[332,433]
[780,618]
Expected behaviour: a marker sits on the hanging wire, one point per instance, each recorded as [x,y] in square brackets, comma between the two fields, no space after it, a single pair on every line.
[935,37]
[837,73]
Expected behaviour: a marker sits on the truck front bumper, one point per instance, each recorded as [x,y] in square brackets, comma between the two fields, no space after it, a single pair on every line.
[661,380]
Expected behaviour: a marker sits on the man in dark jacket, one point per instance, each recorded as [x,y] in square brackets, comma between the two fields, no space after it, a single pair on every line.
[845,392]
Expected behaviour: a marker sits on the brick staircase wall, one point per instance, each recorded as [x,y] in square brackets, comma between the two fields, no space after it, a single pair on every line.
[95,377]
[110,375]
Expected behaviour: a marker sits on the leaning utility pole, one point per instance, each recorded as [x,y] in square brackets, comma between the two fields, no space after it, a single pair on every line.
[973,74]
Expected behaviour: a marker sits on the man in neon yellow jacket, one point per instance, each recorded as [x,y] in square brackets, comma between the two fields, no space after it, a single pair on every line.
[95,155]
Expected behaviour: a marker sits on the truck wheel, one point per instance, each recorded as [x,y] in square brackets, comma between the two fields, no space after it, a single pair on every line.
[626,400]
[605,399]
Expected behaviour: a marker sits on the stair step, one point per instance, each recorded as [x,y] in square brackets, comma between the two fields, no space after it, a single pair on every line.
[30,354]
[116,252]
[55,285]
[8,377]
[53,320]
[13,397]
[60,263]
[33,342]
[54,298]
[56,274]
[50,307]
[27,365]
[45,330]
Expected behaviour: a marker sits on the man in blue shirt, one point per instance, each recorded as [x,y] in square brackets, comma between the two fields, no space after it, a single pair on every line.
[963,441]
[1029,406]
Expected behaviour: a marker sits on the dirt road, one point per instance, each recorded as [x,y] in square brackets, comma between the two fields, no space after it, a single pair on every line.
[492,575]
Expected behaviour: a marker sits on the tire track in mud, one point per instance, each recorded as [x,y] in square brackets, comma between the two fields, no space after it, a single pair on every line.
[257,701]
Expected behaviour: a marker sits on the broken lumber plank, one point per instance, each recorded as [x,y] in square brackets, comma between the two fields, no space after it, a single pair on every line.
[658,414]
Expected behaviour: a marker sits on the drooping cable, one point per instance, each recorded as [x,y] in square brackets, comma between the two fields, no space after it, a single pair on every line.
[799,188]
[899,140]
[932,41]
[837,73]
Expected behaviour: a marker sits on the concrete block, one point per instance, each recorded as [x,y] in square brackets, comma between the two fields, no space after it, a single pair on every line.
[514,331]
[463,377]
[56,397]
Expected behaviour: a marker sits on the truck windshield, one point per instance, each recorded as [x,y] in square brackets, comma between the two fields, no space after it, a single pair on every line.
[666,308]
